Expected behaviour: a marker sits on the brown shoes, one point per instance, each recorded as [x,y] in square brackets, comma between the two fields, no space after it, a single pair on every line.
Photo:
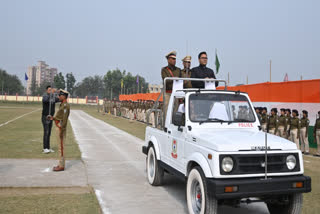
[58,168]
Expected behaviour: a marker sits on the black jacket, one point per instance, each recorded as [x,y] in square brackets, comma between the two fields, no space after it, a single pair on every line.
[46,104]
[201,72]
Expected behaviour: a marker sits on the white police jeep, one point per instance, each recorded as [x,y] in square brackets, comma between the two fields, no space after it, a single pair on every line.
[212,138]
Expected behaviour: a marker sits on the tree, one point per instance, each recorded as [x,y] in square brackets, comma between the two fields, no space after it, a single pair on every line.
[33,87]
[90,86]
[59,81]
[70,83]
[40,90]
[10,84]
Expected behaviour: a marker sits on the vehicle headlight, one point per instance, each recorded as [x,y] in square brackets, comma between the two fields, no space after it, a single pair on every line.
[291,162]
[227,164]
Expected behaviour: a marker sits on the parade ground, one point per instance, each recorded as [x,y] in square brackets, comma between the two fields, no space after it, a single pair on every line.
[105,168]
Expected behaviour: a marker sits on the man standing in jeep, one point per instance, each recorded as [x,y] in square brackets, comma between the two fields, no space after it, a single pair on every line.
[202,71]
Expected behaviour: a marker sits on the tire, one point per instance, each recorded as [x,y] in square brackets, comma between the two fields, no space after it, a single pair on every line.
[199,199]
[293,205]
[154,172]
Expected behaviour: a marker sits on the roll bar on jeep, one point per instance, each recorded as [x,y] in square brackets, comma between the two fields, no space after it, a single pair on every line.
[163,93]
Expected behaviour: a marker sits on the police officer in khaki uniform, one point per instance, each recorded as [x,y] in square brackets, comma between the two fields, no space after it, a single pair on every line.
[272,124]
[288,119]
[170,71]
[316,134]
[304,127]
[282,124]
[61,121]
[295,128]
[186,72]
[264,119]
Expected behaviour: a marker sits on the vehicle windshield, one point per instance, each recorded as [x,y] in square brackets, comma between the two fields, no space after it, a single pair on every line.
[220,108]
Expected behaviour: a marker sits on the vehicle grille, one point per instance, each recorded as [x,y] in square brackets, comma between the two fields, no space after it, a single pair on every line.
[253,164]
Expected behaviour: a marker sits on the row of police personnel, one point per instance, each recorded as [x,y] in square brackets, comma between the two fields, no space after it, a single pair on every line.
[133,110]
[289,125]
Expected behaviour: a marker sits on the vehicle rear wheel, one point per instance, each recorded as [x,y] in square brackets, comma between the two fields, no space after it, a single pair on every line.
[154,172]
[291,204]
[199,199]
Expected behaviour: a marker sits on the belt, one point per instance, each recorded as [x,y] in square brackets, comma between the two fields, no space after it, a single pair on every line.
[169,91]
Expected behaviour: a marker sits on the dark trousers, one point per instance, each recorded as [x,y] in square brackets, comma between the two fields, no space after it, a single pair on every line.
[47,126]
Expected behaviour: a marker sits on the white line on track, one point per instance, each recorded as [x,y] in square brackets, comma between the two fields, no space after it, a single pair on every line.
[6,123]
[105,210]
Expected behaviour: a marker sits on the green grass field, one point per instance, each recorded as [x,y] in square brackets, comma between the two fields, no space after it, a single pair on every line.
[50,203]
[22,138]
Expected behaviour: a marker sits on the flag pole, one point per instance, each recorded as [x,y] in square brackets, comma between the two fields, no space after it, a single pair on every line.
[270,70]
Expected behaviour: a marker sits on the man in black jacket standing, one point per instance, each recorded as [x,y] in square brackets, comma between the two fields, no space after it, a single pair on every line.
[48,108]
[202,71]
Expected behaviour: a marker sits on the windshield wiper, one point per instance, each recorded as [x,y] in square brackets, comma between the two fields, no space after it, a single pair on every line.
[243,120]
[214,120]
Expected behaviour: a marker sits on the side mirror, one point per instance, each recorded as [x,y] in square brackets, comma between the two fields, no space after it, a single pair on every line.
[178,119]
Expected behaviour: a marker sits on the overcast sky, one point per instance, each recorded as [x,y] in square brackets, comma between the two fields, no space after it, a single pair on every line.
[92,37]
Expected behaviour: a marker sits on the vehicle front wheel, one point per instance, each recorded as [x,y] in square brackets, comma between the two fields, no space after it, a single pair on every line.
[199,199]
[155,173]
[291,204]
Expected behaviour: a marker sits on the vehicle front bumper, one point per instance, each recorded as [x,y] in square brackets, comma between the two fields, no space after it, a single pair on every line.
[258,187]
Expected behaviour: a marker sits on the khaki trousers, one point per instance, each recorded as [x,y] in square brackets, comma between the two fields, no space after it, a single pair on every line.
[304,140]
[264,127]
[294,137]
[318,141]
[272,131]
[281,132]
[61,141]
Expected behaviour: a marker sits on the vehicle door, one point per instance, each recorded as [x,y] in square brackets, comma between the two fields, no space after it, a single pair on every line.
[177,137]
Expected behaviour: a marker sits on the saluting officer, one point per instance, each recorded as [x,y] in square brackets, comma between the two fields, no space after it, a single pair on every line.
[282,124]
[316,134]
[61,121]
[295,128]
[272,124]
[304,127]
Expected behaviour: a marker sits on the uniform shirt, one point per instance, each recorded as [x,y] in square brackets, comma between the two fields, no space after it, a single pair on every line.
[273,122]
[304,122]
[288,119]
[282,121]
[295,123]
[46,104]
[165,72]
[186,84]
[264,118]
[62,115]
[317,125]
[201,72]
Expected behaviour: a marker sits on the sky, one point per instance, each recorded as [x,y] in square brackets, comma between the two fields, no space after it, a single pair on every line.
[91,37]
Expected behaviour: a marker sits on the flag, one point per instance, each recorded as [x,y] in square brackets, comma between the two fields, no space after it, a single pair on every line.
[121,83]
[138,80]
[217,63]
[286,78]
[25,77]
